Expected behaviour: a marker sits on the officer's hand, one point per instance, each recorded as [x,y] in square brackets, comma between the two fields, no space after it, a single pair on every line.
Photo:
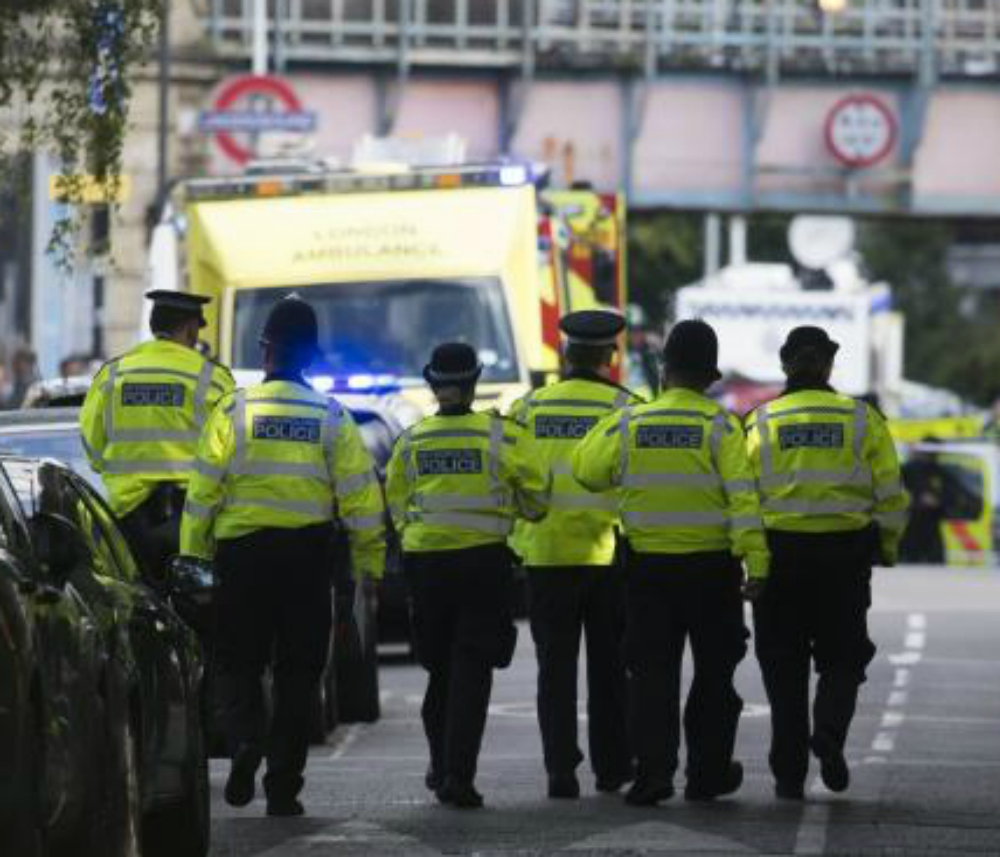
[753,588]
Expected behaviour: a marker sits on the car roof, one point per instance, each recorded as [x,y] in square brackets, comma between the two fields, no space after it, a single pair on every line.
[41,417]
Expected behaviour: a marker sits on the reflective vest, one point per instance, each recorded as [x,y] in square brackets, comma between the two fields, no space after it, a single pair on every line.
[826,463]
[283,455]
[685,479]
[143,415]
[460,481]
[580,526]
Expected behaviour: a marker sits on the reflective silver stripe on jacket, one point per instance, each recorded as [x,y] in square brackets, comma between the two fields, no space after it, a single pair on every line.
[746,522]
[295,403]
[197,510]
[888,490]
[239,428]
[719,428]
[621,400]
[623,451]
[209,470]
[574,403]
[584,502]
[154,436]
[109,400]
[304,469]
[674,412]
[818,507]
[350,484]
[201,391]
[817,477]
[448,433]
[492,525]
[298,507]
[671,480]
[457,503]
[91,452]
[372,521]
[157,370]
[120,467]
[675,519]
[894,520]
[561,468]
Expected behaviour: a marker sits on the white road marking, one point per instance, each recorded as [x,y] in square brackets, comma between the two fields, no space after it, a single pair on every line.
[905,659]
[893,719]
[661,838]
[810,838]
[916,640]
[885,742]
[901,678]
[898,699]
[350,736]
[917,621]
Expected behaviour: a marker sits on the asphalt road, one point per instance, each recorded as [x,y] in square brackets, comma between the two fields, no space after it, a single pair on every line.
[925,752]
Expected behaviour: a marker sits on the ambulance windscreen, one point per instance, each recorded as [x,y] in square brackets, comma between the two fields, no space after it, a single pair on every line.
[390,327]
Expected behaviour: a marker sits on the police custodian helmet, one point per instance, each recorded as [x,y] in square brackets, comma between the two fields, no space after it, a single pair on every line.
[453,364]
[292,324]
[692,346]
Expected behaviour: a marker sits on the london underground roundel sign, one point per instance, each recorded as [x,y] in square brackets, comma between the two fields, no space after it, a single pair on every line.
[860,130]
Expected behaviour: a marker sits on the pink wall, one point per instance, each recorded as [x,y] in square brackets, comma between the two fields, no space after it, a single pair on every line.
[691,139]
[436,108]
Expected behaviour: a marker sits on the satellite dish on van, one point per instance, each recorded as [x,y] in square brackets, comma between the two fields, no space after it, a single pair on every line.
[817,242]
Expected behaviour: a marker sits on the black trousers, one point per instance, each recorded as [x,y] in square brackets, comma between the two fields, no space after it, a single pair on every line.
[563,602]
[674,598]
[814,609]
[463,629]
[154,527]
[273,609]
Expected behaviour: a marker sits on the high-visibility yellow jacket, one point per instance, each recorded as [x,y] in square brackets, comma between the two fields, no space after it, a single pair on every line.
[143,415]
[681,464]
[826,463]
[580,526]
[460,481]
[283,455]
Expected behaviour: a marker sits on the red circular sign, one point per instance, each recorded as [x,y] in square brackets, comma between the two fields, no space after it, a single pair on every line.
[241,87]
[860,130]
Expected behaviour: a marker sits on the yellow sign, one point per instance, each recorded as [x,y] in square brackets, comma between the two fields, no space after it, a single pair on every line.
[89,191]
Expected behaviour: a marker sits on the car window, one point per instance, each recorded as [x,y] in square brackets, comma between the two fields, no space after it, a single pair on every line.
[56,494]
[13,535]
[104,520]
[61,442]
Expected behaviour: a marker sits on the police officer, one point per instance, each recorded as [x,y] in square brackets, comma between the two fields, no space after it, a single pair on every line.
[831,500]
[277,465]
[691,515]
[141,420]
[456,482]
[574,582]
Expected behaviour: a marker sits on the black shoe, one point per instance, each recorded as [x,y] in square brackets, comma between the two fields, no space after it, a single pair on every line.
[564,785]
[833,768]
[730,783]
[789,791]
[459,795]
[433,780]
[285,807]
[613,783]
[242,782]
[649,792]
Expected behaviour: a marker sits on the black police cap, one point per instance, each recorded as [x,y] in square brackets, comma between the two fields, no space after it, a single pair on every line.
[183,301]
[291,324]
[805,338]
[594,327]
[453,363]
[692,346]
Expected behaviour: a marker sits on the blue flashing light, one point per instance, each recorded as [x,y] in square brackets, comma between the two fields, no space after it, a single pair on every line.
[356,383]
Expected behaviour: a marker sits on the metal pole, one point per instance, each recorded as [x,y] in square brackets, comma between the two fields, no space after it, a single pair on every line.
[163,128]
[713,244]
[737,239]
[259,37]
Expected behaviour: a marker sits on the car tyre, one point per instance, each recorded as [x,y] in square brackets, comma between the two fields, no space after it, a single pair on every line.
[183,828]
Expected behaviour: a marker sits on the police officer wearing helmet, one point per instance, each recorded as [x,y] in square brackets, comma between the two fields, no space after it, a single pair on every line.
[455,484]
[141,420]
[277,465]
[692,522]
[574,579]
[832,501]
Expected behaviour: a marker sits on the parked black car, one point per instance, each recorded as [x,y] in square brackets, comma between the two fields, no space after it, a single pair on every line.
[101,741]
[349,690]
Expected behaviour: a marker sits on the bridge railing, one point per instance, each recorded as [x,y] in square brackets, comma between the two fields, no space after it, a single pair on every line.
[951,37]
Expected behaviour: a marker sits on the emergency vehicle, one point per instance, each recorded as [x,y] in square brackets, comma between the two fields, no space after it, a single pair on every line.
[397,261]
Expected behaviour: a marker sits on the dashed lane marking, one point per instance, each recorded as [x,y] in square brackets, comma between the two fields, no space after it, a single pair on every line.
[349,737]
